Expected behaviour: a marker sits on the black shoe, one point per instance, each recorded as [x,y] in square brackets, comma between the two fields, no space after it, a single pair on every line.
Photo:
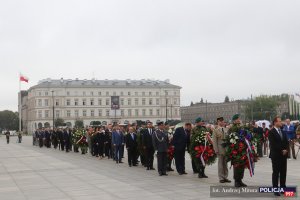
[185,173]
[200,176]
[222,181]
[227,181]
[160,174]
[148,168]
[237,184]
[152,168]
[135,165]
[117,162]
[129,165]
[180,174]
[243,184]
[277,194]
[165,174]
[120,162]
[204,176]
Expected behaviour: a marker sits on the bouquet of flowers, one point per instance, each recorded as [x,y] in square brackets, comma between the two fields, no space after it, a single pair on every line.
[240,149]
[202,149]
[81,140]
[171,151]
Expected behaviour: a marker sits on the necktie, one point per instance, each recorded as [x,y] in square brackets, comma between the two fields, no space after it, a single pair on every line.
[150,131]
[280,133]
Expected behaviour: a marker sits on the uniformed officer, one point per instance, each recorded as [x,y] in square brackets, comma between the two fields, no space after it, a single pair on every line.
[219,135]
[160,143]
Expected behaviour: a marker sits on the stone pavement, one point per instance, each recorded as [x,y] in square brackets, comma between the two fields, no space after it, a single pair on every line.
[29,172]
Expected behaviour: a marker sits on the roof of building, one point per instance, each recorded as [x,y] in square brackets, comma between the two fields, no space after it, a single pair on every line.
[70,83]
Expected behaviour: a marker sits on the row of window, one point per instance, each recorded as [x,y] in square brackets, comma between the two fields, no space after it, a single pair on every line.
[101,113]
[108,93]
[91,102]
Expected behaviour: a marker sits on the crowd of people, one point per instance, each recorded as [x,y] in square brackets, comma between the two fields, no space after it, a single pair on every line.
[239,144]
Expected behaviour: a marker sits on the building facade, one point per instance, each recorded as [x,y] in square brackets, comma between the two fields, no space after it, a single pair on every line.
[209,112]
[90,100]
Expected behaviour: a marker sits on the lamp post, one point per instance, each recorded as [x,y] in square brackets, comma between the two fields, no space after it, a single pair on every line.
[53,108]
[166,106]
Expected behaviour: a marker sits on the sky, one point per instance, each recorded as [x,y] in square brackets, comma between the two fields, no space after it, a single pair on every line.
[211,48]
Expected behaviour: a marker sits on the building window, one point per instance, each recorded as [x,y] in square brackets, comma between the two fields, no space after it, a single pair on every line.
[40,115]
[46,93]
[122,113]
[40,94]
[136,112]
[175,101]
[99,93]
[150,112]
[158,112]
[57,113]
[136,101]
[150,93]
[68,102]
[166,92]
[40,102]
[84,113]
[84,102]
[107,113]
[47,113]
[129,112]
[122,102]
[107,93]
[157,101]
[129,93]
[157,93]
[76,102]
[114,93]
[129,102]
[76,113]
[144,112]
[92,113]
[122,93]
[107,102]
[92,102]
[92,93]
[143,102]
[150,101]
[68,113]
[57,102]
[143,93]
[100,113]
[46,102]
[176,112]
[68,93]
[136,94]
[99,102]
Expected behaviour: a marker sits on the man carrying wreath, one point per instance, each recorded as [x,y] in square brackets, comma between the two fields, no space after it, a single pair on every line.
[201,149]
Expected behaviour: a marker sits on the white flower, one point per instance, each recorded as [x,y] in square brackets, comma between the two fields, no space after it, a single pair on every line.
[232,141]
[236,137]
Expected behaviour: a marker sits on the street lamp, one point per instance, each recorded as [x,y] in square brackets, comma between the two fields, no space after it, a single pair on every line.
[53,107]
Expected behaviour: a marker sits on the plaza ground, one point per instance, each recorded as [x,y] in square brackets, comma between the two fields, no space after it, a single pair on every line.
[28,172]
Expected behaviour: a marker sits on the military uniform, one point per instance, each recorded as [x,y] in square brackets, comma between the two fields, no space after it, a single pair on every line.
[199,168]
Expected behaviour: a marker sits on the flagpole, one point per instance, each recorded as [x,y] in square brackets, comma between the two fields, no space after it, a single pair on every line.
[20,105]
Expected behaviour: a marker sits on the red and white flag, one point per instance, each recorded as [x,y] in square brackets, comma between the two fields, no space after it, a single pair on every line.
[24,78]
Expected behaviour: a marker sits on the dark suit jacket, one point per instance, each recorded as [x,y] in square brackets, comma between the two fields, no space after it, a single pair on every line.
[131,143]
[160,141]
[117,138]
[180,139]
[147,138]
[277,144]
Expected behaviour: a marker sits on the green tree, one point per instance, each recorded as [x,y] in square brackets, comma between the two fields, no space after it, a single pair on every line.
[201,101]
[79,123]
[9,120]
[59,122]
[262,107]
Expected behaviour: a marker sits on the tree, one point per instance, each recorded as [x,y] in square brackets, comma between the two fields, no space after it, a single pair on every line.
[79,123]
[9,120]
[59,122]
[95,123]
[262,107]
[226,99]
[192,103]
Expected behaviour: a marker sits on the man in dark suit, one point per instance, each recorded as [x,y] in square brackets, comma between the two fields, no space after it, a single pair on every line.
[160,143]
[180,141]
[131,146]
[118,141]
[278,153]
[148,145]
[66,138]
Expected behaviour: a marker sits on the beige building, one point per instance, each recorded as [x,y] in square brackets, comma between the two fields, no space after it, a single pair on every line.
[90,100]
[211,111]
